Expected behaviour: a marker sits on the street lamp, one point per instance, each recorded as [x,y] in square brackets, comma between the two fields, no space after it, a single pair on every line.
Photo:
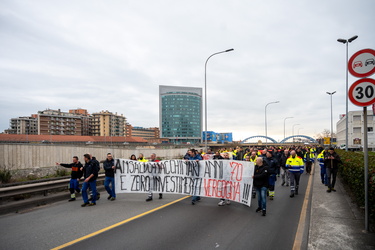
[265,116]
[298,131]
[284,123]
[331,94]
[205,91]
[293,129]
[344,41]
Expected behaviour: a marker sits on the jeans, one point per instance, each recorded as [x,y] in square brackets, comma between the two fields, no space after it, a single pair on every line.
[110,191]
[333,172]
[262,197]
[323,175]
[73,185]
[85,186]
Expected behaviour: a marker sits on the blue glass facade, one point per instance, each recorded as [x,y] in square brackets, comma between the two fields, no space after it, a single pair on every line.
[180,113]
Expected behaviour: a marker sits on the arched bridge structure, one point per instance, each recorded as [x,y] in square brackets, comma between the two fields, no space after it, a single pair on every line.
[259,136]
[299,136]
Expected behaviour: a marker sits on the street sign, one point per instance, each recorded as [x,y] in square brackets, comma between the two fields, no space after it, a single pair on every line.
[362,92]
[362,63]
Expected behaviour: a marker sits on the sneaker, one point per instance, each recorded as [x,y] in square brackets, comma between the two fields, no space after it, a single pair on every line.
[109,197]
[263,212]
[92,204]
[334,190]
[112,198]
[221,203]
[328,190]
[149,199]
[72,199]
[228,202]
[291,195]
[258,210]
[160,196]
[85,204]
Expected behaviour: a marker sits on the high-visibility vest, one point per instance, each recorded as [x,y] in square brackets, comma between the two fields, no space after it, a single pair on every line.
[295,164]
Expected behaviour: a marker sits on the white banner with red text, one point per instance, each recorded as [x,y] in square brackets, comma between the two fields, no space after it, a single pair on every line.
[225,179]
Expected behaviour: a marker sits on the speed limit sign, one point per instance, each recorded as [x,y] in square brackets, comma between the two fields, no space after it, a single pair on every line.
[362,92]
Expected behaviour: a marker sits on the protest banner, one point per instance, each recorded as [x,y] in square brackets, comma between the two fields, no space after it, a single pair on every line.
[226,179]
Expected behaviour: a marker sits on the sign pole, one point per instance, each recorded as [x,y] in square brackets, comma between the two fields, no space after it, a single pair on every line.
[365,155]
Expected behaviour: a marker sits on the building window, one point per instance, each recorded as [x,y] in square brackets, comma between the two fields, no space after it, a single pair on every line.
[370,129]
[356,130]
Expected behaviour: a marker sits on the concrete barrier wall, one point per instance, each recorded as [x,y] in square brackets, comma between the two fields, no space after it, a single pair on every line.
[26,156]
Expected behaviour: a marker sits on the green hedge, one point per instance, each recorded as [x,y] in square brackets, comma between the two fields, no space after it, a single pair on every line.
[352,172]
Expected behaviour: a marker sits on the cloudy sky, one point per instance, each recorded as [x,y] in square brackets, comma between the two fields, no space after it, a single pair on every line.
[113,55]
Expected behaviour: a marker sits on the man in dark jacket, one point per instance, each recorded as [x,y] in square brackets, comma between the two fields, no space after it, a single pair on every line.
[90,174]
[260,183]
[331,161]
[75,175]
[109,168]
[284,170]
[272,169]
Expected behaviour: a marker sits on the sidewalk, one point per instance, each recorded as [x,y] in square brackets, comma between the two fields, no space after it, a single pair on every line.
[336,222]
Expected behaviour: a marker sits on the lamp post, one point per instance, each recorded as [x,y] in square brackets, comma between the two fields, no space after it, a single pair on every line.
[298,131]
[265,116]
[205,92]
[331,94]
[293,129]
[284,124]
[346,41]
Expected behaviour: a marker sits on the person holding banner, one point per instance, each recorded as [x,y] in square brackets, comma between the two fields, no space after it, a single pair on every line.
[149,198]
[194,156]
[260,183]
[222,202]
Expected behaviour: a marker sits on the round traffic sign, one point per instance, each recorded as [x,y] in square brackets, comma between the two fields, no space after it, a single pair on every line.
[362,92]
[362,63]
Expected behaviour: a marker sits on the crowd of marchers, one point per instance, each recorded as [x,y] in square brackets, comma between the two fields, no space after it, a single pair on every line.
[270,165]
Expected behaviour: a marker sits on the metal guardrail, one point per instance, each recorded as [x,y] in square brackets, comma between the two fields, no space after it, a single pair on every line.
[44,187]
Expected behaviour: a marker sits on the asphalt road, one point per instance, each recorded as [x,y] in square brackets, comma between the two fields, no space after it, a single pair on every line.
[178,226]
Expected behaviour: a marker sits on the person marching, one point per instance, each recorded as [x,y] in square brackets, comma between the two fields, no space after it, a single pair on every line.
[75,175]
[260,183]
[193,156]
[149,198]
[323,174]
[295,166]
[331,161]
[109,168]
[90,173]
[272,169]
[309,159]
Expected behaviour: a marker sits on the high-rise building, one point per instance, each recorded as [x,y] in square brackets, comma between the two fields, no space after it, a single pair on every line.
[180,113]
[106,123]
[23,125]
[56,122]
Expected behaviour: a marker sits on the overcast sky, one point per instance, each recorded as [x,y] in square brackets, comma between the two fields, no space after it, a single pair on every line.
[113,55]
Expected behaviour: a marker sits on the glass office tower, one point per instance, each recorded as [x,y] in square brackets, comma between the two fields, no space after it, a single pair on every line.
[180,114]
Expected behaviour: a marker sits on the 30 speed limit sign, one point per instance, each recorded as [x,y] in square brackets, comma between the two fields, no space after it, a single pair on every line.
[362,92]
